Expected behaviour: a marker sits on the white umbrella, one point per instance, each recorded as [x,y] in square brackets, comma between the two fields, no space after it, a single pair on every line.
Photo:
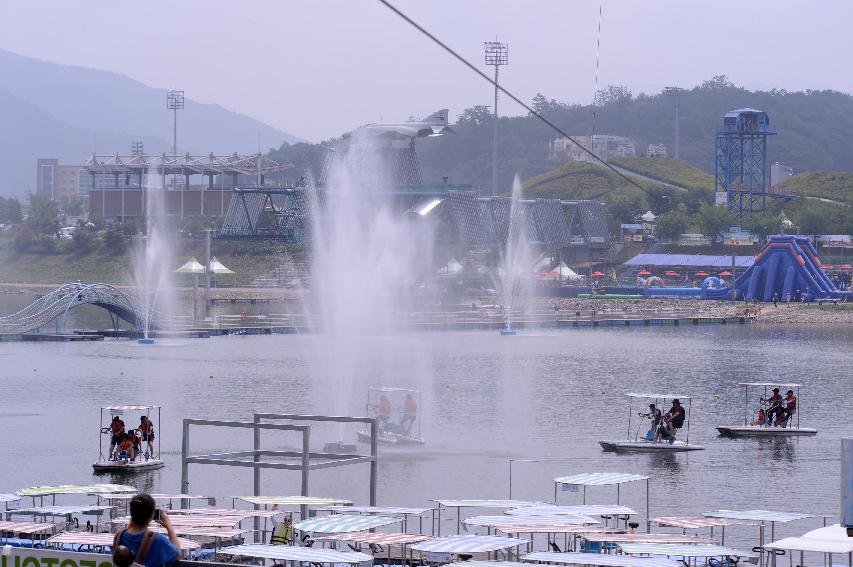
[191,267]
[217,267]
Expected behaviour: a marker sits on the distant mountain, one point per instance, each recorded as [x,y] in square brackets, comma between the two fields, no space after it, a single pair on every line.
[63,111]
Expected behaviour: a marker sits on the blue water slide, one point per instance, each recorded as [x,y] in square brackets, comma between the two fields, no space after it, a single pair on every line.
[773,262]
[754,282]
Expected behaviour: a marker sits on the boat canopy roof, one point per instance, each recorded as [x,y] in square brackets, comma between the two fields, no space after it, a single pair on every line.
[604,537]
[129,408]
[812,544]
[468,544]
[489,564]
[75,489]
[340,523]
[59,510]
[657,396]
[297,553]
[377,538]
[599,478]
[780,384]
[835,531]
[758,515]
[9,497]
[504,521]
[683,550]
[130,495]
[472,503]
[388,510]
[226,512]
[588,509]
[692,522]
[293,500]
[27,527]
[393,389]
[600,559]
[105,539]
[522,527]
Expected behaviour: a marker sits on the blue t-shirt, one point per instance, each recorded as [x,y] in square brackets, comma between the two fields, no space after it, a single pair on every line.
[161,551]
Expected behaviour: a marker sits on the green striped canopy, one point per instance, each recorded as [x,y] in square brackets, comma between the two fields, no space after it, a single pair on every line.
[599,478]
[75,489]
[339,523]
[293,500]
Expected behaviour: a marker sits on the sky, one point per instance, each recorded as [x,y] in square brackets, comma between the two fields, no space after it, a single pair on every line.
[317,68]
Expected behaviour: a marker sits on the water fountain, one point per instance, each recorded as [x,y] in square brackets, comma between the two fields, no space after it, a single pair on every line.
[152,266]
[365,260]
[516,259]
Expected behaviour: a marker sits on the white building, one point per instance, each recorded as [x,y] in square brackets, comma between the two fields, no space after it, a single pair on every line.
[603,145]
[656,150]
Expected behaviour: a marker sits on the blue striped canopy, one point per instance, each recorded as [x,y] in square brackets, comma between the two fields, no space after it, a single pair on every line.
[682,550]
[599,478]
[468,544]
[340,523]
[604,560]
[297,553]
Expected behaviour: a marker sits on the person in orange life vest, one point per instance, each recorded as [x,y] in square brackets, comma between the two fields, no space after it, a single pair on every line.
[410,413]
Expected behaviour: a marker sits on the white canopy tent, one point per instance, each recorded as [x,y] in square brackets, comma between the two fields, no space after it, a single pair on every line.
[192,266]
[567,273]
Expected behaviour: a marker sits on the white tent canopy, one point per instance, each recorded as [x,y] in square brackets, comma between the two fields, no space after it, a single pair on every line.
[567,273]
[453,266]
[192,266]
[648,216]
[218,267]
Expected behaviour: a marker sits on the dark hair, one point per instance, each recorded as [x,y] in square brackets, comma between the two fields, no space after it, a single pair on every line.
[789,392]
[123,556]
[675,402]
[142,509]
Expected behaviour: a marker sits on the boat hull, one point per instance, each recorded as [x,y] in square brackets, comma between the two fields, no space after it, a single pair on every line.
[648,447]
[755,431]
[127,467]
[390,439]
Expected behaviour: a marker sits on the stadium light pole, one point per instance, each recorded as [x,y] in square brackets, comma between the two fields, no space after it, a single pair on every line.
[175,102]
[674,91]
[497,54]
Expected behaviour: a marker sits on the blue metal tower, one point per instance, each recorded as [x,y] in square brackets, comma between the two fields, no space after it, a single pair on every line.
[740,171]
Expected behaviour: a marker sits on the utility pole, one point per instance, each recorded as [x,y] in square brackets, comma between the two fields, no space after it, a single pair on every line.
[497,54]
[175,102]
[207,272]
[675,92]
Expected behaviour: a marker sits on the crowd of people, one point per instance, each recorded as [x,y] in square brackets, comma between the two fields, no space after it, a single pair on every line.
[776,410]
[127,444]
[665,426]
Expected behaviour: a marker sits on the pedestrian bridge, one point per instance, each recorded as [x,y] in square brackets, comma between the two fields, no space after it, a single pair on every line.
[55,306]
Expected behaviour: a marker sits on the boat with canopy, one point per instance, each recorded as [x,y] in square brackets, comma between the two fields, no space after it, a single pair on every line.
[145,456]
[657,439]
[397,411]
[757,421]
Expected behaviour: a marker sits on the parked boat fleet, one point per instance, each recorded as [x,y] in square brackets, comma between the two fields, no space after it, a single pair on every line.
[483,533]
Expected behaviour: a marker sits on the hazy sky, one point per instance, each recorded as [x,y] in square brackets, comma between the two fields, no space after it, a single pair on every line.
[316,68]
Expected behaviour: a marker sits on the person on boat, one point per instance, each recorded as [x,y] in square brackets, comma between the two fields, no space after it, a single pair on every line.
[384,411]
[654,421]
[774,403]
[158,549]
[146,428]
[136,444]
[760,418]
[116,431]
[125,447]
[790,407]
[410,413]
[282,529]
[675,418]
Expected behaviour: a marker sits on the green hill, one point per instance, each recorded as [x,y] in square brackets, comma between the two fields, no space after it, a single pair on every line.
[669,170]
[837,186]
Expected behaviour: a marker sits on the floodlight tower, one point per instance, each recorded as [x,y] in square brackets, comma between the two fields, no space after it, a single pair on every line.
[175,102]
[497,54]
[741,179]
[675,92]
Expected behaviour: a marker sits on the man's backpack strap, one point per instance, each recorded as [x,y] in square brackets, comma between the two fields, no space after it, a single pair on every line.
[117,540]
[144,547]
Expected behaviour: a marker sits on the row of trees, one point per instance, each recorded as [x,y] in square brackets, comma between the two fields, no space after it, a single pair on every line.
[10,210]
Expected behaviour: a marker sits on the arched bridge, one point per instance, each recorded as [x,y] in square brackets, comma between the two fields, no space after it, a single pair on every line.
[56,305]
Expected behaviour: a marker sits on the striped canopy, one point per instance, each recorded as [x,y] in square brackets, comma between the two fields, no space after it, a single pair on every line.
[228,512]
[75,489]
[486,503]
[812,544]
[293,500]
[757,515]
[297,553]
[564,520]
[692,522]
[376,538]
[129,408]
[202,531]
[59,510]
[104,540]
[468,544]
[835,532]
[584,509]
[640,538]
[599,478]
[522,528]
[489,564]
[773,384]
[604,560]
[26,527]
[657,396]
[386,510]
[9,497]
[682,550]
[339,523]
[130,495]
[185,521]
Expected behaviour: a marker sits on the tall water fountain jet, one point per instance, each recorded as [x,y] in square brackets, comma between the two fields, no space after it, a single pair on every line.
[153,262]
[366,258]
[517,258]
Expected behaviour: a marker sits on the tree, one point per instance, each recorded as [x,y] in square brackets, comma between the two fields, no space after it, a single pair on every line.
[626,207]
[671,225]
[44,216]
[82,238]
[544,106]
[813,221]
[114,240]
[12,211]
[612,94]
[24,237]
[712,219]
[479,115]
[717,82]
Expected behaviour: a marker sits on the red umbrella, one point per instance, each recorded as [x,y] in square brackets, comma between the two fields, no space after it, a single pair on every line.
[726,273]
[671,273]
[645,273]
[827,266]
[845,267]
[701,273]
[597,274]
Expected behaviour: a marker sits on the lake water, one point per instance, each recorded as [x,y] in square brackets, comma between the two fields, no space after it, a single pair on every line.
[487,400]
